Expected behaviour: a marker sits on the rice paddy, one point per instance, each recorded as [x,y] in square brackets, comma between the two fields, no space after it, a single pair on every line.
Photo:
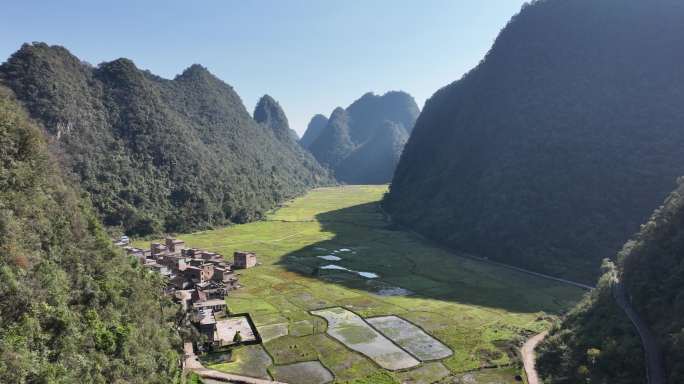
[411,338]
[352,331]
[477,311]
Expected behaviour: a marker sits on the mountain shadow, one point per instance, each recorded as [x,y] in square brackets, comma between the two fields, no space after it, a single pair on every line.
[405,261]
[551,152]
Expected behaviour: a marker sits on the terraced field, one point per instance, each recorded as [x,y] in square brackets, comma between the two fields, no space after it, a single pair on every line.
[478,311]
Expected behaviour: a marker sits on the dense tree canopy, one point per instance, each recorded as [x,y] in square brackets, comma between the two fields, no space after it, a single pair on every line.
[595,343]
[362,143]
[652,269]
[554,148]
[73,310]
[156,154]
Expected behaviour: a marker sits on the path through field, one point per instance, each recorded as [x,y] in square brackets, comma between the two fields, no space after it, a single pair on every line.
[528,357]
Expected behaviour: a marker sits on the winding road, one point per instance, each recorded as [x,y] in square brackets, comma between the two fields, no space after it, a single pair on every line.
[655,371]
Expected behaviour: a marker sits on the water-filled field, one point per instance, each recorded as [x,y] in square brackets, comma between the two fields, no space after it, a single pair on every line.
[476,310]
[352,331]
[308,372]
[411,338]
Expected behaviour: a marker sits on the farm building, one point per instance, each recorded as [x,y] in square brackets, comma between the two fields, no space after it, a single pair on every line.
[244,260]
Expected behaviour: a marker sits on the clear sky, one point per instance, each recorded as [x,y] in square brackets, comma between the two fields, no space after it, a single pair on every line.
[310,55]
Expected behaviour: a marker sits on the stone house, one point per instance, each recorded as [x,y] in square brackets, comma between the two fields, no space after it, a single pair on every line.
[201,273]
[244,260]
[174,246]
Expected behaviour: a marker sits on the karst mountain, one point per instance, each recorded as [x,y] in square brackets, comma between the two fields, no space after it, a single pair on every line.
[155,154]
[553,150]
[363,142]
[269,113]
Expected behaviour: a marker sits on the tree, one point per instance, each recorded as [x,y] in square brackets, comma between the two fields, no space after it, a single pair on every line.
[237,338]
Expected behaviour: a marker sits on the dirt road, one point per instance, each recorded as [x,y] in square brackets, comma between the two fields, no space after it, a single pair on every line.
[528,357]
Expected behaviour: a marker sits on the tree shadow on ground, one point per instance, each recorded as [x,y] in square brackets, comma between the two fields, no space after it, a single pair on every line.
[405,261]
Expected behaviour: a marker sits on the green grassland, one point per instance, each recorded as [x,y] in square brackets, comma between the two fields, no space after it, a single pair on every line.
[476,309]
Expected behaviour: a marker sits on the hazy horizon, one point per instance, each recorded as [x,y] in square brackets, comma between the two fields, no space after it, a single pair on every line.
[310,56]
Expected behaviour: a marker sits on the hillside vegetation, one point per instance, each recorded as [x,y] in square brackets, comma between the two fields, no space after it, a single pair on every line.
[552,151]
[596,341]
[155,154]
[652,269]
[363,142]
[73,310]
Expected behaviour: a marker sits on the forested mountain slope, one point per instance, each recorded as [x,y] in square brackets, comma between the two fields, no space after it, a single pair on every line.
[363,142]
[553,149]
[597,342]
[73,310]
[156,154]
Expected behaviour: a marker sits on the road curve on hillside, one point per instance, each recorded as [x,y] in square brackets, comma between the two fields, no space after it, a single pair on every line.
[528,357]
[655,366]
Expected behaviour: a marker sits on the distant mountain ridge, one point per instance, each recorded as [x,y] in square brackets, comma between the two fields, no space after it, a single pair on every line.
[363,142]
[313,130]
[551,152]
[156,154]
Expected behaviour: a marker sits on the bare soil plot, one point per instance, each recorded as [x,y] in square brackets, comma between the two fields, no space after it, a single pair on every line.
[227,328]
[410,337]
[351,330]
[308,372]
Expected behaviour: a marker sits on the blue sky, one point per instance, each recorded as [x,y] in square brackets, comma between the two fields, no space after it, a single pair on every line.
[310,55]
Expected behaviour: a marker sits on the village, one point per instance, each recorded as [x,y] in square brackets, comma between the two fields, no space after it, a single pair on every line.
[199,280]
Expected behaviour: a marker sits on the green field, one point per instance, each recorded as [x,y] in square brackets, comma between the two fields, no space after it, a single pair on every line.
[477,310]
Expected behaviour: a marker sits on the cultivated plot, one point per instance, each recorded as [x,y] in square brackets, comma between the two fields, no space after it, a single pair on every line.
[355,333]
[308,372]
[249,360]
[410,337]
[272,331]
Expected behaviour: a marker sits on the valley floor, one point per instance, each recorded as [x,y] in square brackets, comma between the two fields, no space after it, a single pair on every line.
[477,310]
